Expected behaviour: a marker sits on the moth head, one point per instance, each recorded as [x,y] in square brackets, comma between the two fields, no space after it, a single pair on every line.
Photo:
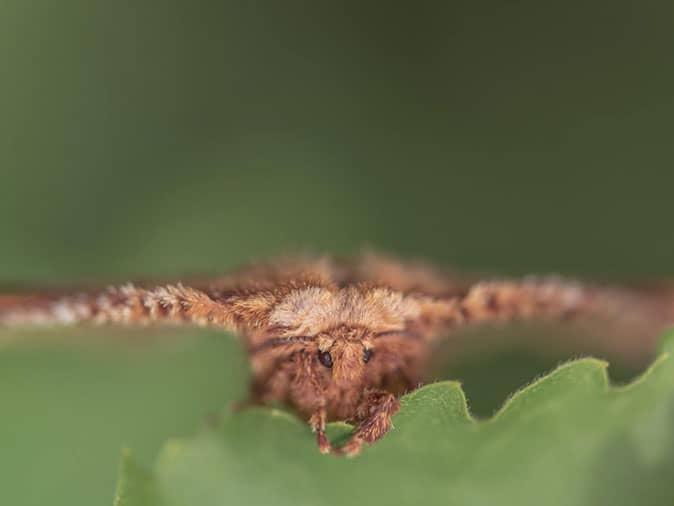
[345,353]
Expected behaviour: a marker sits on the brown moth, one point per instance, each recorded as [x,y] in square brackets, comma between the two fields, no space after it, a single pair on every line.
[341,340]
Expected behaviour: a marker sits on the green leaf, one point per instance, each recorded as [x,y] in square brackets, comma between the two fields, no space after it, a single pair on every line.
[136,486]
[568,438]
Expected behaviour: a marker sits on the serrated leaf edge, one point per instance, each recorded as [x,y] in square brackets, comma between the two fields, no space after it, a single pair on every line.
[173,446]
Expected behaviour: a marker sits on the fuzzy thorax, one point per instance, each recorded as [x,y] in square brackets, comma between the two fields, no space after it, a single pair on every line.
[312,310]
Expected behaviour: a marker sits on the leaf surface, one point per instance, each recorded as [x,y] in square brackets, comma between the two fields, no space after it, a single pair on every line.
[568,438]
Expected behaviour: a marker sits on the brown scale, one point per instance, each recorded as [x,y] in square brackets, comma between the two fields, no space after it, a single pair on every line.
[342,340]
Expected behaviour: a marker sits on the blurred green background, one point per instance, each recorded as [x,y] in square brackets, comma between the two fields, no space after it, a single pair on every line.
[139,138]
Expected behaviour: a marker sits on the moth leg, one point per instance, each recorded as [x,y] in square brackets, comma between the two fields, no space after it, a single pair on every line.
[374,412]
[317,423]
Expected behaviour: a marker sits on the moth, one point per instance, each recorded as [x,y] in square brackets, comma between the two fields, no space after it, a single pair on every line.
[340,339]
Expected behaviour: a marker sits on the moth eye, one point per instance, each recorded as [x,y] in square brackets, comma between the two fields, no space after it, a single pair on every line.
[325,358]
[367,354]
